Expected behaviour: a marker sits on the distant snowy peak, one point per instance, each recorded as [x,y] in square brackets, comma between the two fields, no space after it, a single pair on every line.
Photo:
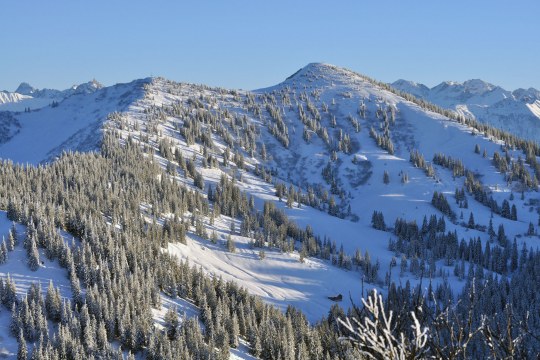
[27,96]
[475,91]
[418,90]
[28,90]
[86,88]
[515,111]
[25,89]
[474,88]
[529,95]
[479,87]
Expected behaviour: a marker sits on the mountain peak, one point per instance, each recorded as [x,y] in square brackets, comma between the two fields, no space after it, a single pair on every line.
[478,86]
[25,89]
[406,82]
[87,88]
[411,87]
[310,68]
[529,95]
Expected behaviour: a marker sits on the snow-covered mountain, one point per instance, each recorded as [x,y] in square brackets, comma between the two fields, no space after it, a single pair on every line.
[344,184]
[74,124]
[28,97]
[515,111]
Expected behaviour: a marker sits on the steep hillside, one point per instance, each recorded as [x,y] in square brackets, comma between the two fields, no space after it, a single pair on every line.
[327,133]
[514,111]
[315,190]
[72,125]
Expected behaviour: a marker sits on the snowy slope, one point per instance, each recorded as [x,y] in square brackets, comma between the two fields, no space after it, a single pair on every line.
[514,111]
[278,278]
[155,109]
[75,124]
[7,97]
[415,129]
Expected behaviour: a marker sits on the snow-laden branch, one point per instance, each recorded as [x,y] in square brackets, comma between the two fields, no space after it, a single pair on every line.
[374,336]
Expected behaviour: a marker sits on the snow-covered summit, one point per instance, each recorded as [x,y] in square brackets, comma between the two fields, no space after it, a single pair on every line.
[514,111]
[85,88]
[28,97]
[322,73]
[418,90]
[451,93]
[529,95]
[478,86]
[25,89]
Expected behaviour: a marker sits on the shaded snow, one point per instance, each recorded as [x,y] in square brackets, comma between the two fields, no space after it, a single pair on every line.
[17,268]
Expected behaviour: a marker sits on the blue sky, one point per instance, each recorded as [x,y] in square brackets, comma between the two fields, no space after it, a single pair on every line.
[253,44]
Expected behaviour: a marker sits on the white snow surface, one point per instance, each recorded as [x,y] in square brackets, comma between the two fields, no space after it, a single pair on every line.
[74,125]
[280,278]
[514,111]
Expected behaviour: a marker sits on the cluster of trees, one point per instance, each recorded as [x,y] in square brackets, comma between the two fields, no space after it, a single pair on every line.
[123,271]
[418,160]
[516,170]
[488,319]
[383,140]
[461,199]
[431,242]
[474,186]
[279,129]
[483,196]
[456,165]
[377,220]
[316,196]
[440,203]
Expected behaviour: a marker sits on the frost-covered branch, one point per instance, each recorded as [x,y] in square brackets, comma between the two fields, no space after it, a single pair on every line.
[375,337]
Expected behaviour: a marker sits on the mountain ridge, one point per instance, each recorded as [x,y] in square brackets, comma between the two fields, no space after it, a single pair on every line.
[517,111]
[327,183]
[27,97]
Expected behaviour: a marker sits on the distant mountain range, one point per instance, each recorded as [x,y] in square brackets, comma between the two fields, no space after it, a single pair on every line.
[26,96]
[516,111]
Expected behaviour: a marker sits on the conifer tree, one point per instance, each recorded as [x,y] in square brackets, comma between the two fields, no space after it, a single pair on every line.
[3,252]
[231,246]
[22,352]
[11,241]
[172,322]
[471,223]
[33,254]
[386,177]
